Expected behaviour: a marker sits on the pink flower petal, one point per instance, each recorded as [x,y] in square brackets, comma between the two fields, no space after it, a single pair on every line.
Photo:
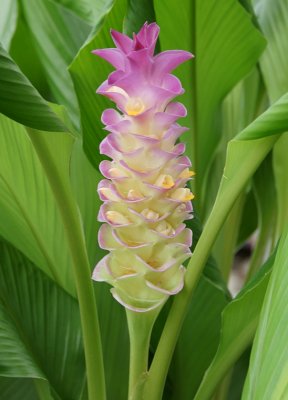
[168,60]
[113,56]
[123,42]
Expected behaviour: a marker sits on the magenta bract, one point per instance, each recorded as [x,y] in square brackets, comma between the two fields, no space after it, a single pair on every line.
[144,193]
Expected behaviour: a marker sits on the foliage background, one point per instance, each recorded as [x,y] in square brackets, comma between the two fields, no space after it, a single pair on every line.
[48,79]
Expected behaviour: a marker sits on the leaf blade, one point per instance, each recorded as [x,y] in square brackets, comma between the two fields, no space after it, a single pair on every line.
[267,374]
[20,101]
[30,218]
[239,322]
[47,321]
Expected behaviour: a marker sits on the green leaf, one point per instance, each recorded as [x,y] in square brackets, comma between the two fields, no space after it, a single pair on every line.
[84,181]
[267,375]
[89,10]
[8,21]
[88,72]
[200,333]
[29,216]
[17,389]
[15,357]
[280,163]
[238,376]
[58,33]
[20,101]
[248,149]
[43,339]
[273,19]
[235,117]
[239,323]
[198,340]
[22,51]
[265,194]
[138,12]
[222,57]
[249,218]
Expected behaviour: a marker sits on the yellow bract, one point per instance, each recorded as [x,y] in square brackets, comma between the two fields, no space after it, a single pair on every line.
[134,106]
[117,173]
[109,194]
[165,181]
[116,218]
[182,194]
[134,195]
[165,228]
[149,214]
[187,173]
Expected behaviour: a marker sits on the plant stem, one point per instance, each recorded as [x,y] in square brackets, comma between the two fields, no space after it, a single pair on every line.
[223,204]
[140,327]
[81,268]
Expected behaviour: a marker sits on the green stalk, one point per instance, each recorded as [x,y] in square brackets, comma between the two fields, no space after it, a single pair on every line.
[223,204]
[140,327]
[81,268]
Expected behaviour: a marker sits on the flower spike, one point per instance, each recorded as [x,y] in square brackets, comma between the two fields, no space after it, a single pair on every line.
[144,191]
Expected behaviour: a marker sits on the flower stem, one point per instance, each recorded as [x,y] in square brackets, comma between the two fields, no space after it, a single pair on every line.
[140,327]
[60,186]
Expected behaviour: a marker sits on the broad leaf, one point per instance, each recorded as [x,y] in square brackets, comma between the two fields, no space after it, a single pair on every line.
[84,181]
[235,117]
[20,101]
[273,19]
[249,219]
[239,323]
[82,8]
[88,10]
[29,215]
[44,332]
[138,12]
[8,21]
[22,51]
[198,340]
[17,389]
[88,72]
[226,47]
[265,195]
[267,376]
[58,34]
[248,149]
[15,356]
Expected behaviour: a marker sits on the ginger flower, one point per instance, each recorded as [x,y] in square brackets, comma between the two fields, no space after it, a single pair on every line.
[144,193]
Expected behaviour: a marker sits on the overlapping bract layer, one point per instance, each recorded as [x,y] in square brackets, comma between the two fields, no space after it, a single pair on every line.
[144,193]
